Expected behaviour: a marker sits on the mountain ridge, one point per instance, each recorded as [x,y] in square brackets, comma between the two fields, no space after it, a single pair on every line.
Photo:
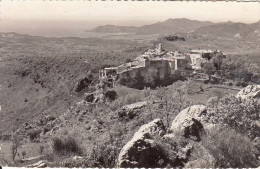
[183,25]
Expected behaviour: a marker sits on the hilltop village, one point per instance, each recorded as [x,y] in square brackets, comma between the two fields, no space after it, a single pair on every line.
[158,67]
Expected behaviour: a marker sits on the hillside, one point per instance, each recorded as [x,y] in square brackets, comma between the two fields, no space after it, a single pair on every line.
[38,74]
[247,31]
[172,26]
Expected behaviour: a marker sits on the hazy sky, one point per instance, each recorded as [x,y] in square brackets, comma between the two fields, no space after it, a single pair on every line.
[129,10]
[74,17]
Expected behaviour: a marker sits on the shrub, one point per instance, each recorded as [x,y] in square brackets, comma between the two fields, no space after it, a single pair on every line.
[110,95]
[228,149]
[41,149]
[35,135]
[105,152]
[169,150]
[67,146]
[23,154]
[238,114]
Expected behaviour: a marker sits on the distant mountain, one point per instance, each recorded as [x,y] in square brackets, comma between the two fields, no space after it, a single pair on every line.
[167,27]
[172,26]
[232,29]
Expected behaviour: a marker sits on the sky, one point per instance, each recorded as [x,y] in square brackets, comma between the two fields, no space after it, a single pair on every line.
[130,10]
[19,14]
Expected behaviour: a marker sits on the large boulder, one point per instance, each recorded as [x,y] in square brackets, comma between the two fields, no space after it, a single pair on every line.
[251,91]
[189,122]
[142,150]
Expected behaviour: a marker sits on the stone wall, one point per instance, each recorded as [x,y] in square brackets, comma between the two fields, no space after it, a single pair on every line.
[135,77]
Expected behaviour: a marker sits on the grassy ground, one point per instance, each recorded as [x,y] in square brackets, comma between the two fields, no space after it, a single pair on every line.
[211,91]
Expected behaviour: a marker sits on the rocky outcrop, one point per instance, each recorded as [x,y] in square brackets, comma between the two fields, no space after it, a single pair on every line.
[142,150]
[251,91]
[189,122]
[39,164]
[131,110]
[152,147]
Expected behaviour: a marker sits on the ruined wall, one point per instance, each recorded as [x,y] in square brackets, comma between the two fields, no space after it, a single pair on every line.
[182,64]
[158,70]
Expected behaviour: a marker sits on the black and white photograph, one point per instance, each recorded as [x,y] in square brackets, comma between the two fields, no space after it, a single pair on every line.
[129,84]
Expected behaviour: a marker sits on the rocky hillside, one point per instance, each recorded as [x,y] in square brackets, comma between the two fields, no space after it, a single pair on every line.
[154,132]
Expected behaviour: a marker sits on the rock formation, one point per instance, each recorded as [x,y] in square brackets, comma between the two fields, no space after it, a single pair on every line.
[142,150]
[251,91]
[131,110]
[152,147]
[189,122]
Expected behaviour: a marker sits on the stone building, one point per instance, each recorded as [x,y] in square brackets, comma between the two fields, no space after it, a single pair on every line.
[157,67]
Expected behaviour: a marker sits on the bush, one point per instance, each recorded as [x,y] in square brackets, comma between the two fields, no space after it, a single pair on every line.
[41,149]
[35,135]
[172,151]
[67,146]
[23,154]
[105,155]
[110,95]
[225,148]
[238,114]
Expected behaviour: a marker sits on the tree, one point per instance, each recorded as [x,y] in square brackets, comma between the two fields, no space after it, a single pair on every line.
[209,68]
[16,142]
[217,59]
[173,100]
